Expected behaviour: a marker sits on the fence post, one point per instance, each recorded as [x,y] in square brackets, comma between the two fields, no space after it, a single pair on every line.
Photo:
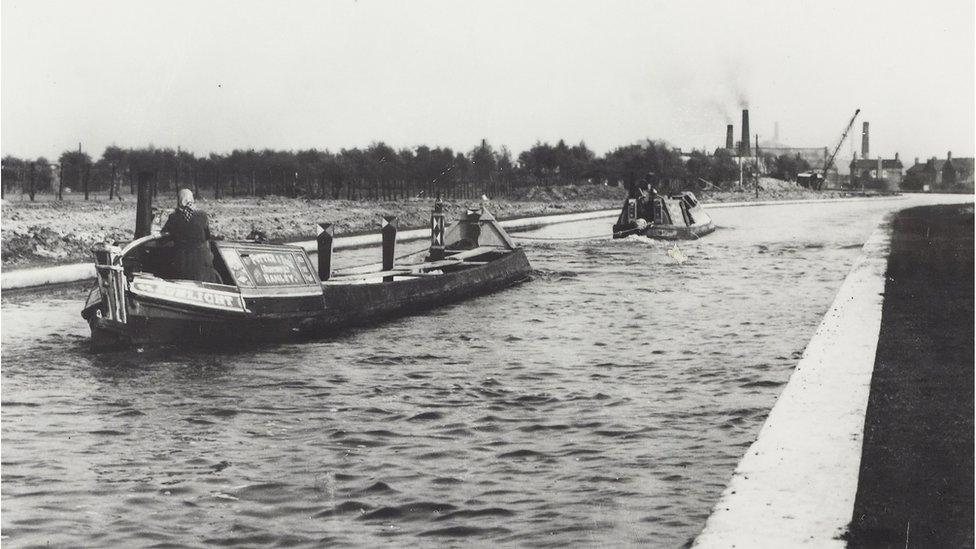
[31,190]
[111,186]
[87,177]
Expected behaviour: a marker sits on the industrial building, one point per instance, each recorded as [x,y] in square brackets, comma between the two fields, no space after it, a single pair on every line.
[875,173]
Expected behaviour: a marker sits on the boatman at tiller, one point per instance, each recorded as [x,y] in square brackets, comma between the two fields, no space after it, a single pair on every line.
[190,231]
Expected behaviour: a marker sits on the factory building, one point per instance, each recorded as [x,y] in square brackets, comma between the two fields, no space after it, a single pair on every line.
[875,173]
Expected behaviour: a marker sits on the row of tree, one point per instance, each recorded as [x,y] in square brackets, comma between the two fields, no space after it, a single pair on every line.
[375,172]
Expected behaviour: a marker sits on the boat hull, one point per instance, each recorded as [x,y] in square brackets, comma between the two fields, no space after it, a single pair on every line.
[152,322]
[676,217]
[674,232]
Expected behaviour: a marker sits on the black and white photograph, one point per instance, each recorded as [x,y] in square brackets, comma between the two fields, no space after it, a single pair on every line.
[469,273]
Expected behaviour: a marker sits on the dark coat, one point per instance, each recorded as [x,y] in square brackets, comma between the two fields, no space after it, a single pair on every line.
[192,258]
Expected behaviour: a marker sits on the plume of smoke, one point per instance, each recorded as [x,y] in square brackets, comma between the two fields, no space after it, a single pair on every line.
[720,108]
[737,75]
[743,100]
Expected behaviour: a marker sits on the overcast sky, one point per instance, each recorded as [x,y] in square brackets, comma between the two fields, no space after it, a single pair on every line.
[215,75]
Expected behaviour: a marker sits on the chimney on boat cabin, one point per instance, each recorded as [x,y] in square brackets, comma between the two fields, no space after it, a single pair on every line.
[728,137]
[745,133]
[389,232]
[326,234]
[144,215]
[864,141]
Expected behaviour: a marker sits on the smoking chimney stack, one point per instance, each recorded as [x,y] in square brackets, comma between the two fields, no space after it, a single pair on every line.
[745,133]
[728,137]
[864,141]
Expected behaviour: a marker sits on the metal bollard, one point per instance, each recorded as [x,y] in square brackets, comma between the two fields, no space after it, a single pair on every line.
[326,233]
[437,232]
[389,232]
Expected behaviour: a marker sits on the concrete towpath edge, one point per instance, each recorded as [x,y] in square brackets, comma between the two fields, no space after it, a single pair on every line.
[796,484]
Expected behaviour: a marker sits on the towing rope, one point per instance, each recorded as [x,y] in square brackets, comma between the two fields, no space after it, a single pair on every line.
[570,238]
[626,232]
[551,239]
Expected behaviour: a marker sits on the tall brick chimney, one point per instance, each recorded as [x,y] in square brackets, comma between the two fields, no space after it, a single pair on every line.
[745,133]
[864,141]
[728,137]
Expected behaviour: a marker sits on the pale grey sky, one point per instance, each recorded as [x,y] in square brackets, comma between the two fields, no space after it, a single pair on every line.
[218,75]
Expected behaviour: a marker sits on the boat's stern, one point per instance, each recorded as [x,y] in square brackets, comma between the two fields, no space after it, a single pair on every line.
[105,307]
[629,221]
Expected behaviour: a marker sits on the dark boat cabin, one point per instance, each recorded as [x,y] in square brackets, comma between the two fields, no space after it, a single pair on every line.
[651,210]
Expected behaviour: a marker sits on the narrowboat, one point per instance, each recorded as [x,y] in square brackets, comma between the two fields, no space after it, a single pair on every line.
[273,292]
[674,217]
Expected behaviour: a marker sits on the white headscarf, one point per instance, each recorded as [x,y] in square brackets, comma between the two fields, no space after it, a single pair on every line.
[185,201]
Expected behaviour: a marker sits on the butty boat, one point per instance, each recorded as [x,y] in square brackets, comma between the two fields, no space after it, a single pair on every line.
[274,292]
[675,217]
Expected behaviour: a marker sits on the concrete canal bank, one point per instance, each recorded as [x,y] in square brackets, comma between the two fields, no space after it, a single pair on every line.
[897,349]
[62,274]
[796,483]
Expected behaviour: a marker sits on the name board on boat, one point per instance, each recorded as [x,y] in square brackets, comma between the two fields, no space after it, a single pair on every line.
[188,295]
[264,268]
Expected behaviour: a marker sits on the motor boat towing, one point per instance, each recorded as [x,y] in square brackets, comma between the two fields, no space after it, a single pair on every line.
[674,217]
[274,292]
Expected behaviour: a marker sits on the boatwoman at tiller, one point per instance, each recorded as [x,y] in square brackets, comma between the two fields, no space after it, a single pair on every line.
[190,231]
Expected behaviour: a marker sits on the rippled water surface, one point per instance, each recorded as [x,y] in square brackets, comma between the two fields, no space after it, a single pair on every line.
[607,401]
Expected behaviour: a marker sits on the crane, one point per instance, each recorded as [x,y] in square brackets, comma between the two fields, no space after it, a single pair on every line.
[830,160]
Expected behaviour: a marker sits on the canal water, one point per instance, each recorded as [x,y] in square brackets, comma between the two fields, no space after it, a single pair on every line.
[605,402]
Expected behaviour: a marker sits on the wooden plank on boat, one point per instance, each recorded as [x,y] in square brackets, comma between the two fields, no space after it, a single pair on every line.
[474,252]
[371,274]
[452,259]
[416,270]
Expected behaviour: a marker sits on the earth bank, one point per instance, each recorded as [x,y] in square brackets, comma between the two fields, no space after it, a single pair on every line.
[51,232]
